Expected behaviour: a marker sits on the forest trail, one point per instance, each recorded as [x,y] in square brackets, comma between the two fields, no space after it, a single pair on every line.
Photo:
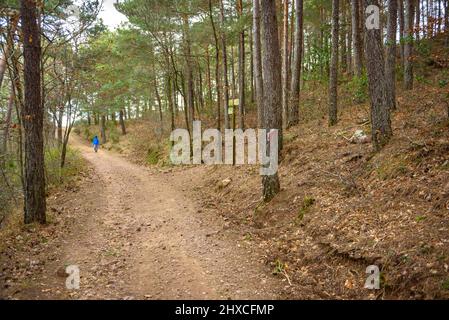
[143,238]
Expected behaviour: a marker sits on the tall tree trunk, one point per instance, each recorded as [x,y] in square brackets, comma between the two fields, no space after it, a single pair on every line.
[390,65]
[209,77]
[285,64]
[122,122]
[242,66]
[380,113]
[33,117]
[408,47]
[170,101]
[401,30]
[159,105]
[417,27]
[189,71]
[333,80]
[349,41]
[258,77]
[343,28]
[272,97]
[293,113]
[59,123]
[356,38]
[217,66]
[103,129]
[225,68]
[251,46]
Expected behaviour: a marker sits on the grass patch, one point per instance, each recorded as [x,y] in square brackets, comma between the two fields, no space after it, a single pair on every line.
[392,169]
[307,203]
[56,175]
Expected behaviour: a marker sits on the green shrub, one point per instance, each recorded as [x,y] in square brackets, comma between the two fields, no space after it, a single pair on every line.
[153,155]
[54,174]
[358,86]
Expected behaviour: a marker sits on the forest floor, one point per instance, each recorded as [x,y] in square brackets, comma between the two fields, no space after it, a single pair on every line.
[134,233]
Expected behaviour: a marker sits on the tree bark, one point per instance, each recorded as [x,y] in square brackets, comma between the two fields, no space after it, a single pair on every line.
[258,77]
[217,66]
[189,71]
[356,39]
[122,122]
[408,47]
[293,113]
[32,117]
[225,68]
[333,80]
[272,97]
[380,113]
[103,129]
[401,29]
[390,65]
[209,77]
[285,63]
[242,67]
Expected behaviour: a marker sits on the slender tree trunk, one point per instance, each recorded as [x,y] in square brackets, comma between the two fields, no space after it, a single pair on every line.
[258,77]
[417,27]
[122,122]
[285,64]
[408,47]
[159,105]
[343,28]
[225,69]
[33,117]
[242,66]
[189,71]
[233,78]
[356,38]
[251,46]
[217,66]
[333,80]
[390,65]
[272,97]
[349,41]
[59,123]
[103,129]
[401,30]
[171,102]
[380,112]
[209,77]
[293,114]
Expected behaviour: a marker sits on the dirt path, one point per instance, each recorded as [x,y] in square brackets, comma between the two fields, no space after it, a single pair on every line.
[143,237]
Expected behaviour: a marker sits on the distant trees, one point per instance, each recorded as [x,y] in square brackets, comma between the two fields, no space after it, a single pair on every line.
[183,60]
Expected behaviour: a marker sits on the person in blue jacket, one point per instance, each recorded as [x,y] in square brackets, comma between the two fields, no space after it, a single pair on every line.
[96,143]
